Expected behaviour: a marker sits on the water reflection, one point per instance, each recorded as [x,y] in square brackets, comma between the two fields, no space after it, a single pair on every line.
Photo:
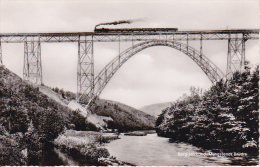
[50,157]
[66,159]
[54,157]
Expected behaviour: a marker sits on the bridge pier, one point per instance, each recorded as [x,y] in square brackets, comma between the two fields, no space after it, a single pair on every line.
[85,71]
[32,70]
[236,56]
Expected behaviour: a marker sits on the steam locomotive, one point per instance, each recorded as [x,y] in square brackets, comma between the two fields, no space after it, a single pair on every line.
[124,30]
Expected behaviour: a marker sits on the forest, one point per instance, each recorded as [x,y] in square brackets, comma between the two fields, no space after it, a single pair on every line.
[224,118]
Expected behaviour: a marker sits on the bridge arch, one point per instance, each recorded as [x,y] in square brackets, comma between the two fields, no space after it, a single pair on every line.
[208,67]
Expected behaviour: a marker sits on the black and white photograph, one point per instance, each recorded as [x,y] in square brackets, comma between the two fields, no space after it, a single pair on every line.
[129,82]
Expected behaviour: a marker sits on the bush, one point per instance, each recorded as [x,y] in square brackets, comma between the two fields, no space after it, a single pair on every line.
[11,149]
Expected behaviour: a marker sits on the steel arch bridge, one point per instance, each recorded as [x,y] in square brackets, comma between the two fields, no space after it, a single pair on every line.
[92,86]
[208,67]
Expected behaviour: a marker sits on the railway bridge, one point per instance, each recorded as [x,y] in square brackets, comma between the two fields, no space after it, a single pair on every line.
[139,39]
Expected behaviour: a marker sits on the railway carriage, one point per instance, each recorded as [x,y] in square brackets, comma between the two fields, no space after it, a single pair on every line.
[109,30]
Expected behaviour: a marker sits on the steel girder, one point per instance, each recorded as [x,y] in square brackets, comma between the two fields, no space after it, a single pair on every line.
[178,36]
[32,70]
[85,71]
[101,80]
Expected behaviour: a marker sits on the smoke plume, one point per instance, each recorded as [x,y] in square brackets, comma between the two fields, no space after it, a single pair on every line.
[119,22]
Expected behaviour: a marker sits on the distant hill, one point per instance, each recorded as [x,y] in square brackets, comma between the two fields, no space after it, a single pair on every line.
[155,109]
[125,117]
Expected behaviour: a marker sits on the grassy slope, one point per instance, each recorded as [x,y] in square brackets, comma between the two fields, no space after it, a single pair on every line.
[91,118]
[53,95]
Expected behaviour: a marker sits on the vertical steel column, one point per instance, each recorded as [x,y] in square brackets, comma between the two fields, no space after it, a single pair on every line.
[187,42]
[236,56]
[1,55]
[119,48]
[201,51]
[32,70]
[85,74]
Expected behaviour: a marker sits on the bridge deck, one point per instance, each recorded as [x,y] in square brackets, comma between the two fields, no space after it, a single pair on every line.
[234,31]
[131,36]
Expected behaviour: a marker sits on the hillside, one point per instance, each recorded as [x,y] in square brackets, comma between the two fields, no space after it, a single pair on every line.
[115,114]
[20,99]
[155,109]
[28,120]
[93,119]
[125,117]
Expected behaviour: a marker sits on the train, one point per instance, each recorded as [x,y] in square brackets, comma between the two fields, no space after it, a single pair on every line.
[129,30]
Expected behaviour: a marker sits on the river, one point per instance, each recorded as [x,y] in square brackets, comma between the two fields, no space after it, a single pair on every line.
[152,150]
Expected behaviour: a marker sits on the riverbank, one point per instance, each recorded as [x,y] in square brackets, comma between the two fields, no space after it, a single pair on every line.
[139,133]
[87,147]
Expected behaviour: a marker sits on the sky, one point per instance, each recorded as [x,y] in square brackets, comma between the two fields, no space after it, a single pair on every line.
[154,75]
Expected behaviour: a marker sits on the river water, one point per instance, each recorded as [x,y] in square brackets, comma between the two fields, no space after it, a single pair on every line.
[152,150]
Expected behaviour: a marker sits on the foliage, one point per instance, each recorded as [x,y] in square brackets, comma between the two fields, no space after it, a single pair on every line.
[83,144]
[26,111]
[224,117]
[124,117]
[65,94]
[78,120]
[11,149]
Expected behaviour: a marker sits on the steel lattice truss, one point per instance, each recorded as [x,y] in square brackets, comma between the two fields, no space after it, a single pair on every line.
[88,84]
[85,74]
[142,36]
[32,70]
[236,56]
